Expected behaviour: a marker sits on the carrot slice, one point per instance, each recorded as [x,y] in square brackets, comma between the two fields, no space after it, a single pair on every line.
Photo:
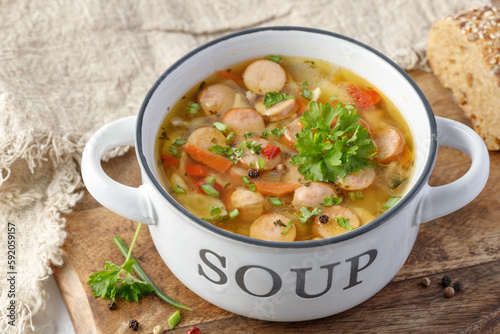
[231,76]
[375,96]
[196,170]
[275,189]
[210,159]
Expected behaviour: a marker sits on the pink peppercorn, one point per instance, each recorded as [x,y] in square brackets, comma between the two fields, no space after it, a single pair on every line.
[193,330]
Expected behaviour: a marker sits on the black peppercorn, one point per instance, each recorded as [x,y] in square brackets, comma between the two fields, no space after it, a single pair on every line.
[253,173]
[323,219]
[133,325]
[458,286]
[446,281]
[111,305]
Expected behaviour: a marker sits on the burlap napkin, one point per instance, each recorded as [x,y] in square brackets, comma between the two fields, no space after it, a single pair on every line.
[69,67]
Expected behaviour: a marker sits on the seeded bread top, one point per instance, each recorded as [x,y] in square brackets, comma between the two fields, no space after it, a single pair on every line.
[483,25]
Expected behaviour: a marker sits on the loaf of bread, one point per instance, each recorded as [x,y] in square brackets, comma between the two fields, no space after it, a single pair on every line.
[464,52]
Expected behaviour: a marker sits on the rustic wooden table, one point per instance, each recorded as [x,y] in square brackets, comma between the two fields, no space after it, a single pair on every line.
[464,245]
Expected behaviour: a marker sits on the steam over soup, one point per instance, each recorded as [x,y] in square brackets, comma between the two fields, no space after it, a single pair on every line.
[285,149]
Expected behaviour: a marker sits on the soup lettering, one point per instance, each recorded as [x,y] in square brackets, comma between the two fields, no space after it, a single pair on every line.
[285,149]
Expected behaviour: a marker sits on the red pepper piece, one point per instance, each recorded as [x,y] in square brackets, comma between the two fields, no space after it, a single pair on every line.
[168,160]
[364,98]
[196,170]
[270,151]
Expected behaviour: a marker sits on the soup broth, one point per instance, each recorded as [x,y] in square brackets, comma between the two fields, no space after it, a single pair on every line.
[284,149]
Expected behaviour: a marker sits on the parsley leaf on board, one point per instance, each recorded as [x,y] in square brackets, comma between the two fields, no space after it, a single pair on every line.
[327,153]
[108,283]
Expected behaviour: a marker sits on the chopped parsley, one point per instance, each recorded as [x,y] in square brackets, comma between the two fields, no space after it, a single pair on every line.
[272,98]
[306,214]
[344,223]
[327,153]
[249,135]
[230,137]
[331,200]
[307,94]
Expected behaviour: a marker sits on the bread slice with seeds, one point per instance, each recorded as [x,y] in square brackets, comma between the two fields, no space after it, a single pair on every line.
[464,52]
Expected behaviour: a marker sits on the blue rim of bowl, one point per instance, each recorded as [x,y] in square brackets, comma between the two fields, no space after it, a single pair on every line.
[291,244]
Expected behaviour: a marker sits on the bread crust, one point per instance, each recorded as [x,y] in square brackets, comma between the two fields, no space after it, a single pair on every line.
[464,52]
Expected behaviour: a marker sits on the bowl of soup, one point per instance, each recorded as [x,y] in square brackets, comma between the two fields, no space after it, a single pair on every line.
[285,171]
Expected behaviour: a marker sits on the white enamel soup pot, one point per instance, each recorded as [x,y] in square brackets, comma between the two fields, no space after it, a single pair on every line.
[284,281]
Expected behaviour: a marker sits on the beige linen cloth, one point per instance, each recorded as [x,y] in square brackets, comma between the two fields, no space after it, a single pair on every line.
[69,67]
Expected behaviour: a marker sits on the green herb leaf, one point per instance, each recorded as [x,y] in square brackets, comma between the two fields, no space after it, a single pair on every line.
[331,200]
[287,226]
[179,142]
[174,319]
[221,126]
[210,179]
[215,210]
[230,137]
[391,202]
[278,132]
[133,289]
[209,190]
[103,282]
[306,214]
[193,108]
[276,59]
[178,189]
[108,283]
[245,179]
[249,135]
[307,94]
[344,223]
[329,151]
[275,201]
[233,214]
[272,98]
[261,164]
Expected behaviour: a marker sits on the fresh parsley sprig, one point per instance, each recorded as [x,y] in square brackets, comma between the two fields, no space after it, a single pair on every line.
[329,150]
[110,282]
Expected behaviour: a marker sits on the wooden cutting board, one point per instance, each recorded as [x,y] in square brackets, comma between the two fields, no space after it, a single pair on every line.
[464,245]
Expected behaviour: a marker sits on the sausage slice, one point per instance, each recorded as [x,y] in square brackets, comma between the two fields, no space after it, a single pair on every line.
[271,226]
[264,76]
[325,228]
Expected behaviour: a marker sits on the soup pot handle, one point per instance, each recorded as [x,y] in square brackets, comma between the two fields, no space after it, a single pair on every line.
[130,202]
[442,200]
